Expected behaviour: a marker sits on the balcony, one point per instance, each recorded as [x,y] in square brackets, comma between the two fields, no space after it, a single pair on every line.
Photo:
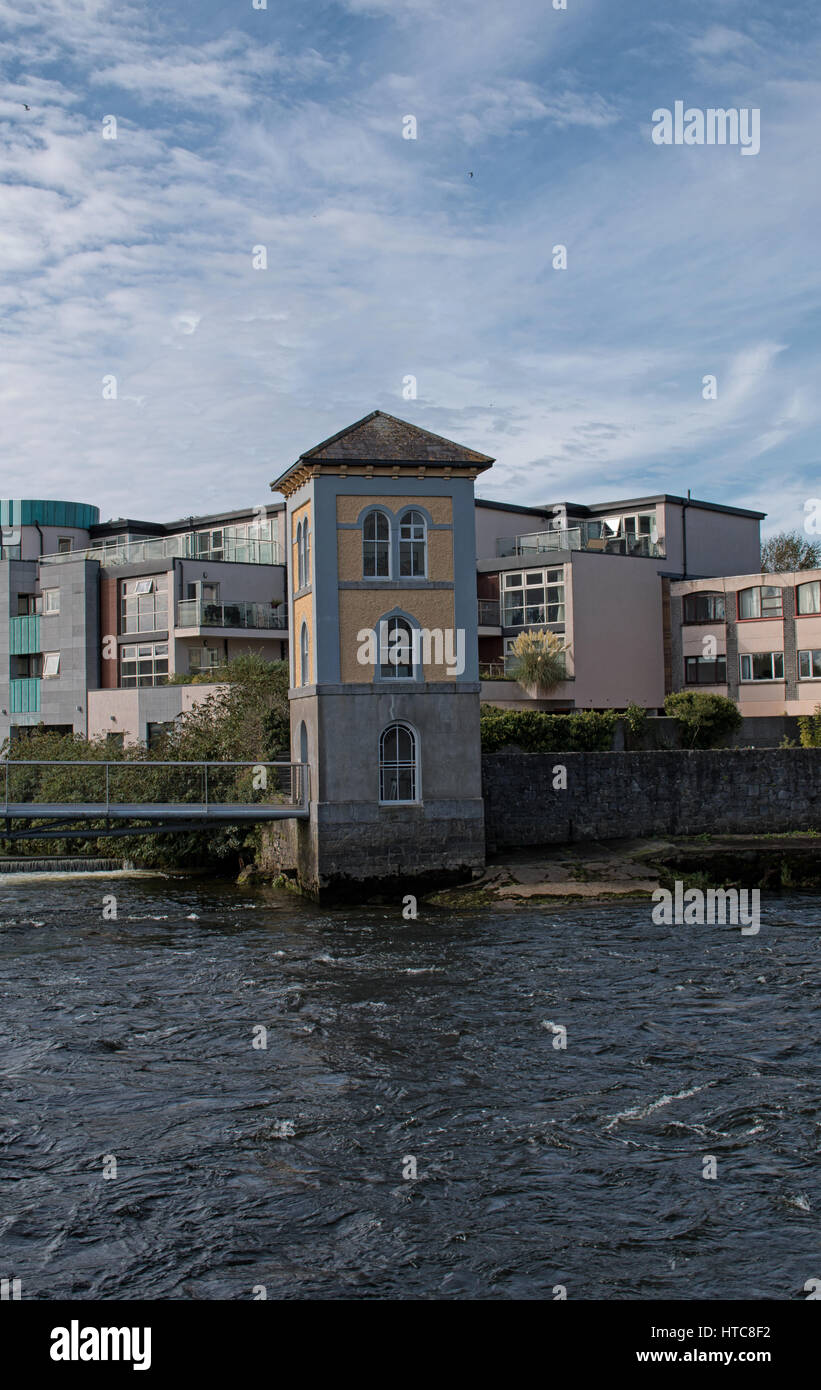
[24,635]
[196,613]
[191,545]
[24,695]
[489,613]
[584,537]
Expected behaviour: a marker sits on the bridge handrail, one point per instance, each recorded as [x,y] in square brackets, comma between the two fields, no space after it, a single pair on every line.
[107,763]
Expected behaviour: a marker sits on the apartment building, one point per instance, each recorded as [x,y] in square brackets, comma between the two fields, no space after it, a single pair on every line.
[753,637]
[593,575]
[99,616]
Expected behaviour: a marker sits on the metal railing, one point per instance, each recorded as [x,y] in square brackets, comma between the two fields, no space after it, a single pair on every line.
[192,612]
[148,789]
[489,613]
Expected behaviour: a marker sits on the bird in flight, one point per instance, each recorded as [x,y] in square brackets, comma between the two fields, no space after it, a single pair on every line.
[28,108]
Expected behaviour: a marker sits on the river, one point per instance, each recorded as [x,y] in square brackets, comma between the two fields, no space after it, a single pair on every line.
[540,1168]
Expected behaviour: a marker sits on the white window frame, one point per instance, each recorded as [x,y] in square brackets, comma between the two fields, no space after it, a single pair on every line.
[49,596]
[412,540]
[811,583]
[759,680]
[813,653]
[404,765]
[51,660]
[376,544]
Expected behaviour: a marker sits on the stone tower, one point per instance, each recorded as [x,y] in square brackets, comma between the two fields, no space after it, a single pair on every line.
[384,661]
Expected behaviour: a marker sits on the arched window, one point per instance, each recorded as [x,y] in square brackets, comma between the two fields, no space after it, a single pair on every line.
[398,764]
[303,743]
[306,553]
[303,655]
[300,582]
[809,597]
[413,545]
[376,546]
[395,650]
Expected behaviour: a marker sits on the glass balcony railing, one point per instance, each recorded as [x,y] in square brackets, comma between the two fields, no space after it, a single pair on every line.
[192,612]
[489,613]
[192,545]
[580,538]
[24,695]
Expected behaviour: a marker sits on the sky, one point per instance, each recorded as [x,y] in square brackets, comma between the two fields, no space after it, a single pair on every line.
[414,276]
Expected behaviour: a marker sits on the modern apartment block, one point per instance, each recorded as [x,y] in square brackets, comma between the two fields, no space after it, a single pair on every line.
[594,575]
[753,637]
[96,617]
[100,615]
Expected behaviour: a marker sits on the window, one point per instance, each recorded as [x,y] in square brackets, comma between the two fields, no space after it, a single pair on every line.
[303,655]
[762,602]
[395,650]
[704,608]
[376,546]
[204,659]
[27,603]
[64,545]
[809,666]
[703,670]
[762,666]
[143,665]
[413,545]
[532,596]
[398,771]
[144,604]
[303,743]
[51,664]
[306,553]
[155,733]
[809,597]
[300,563]
[51,600]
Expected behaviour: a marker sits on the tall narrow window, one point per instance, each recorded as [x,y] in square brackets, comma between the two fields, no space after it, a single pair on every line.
[398,764]
[303,655]
[376,546]
[306,553]
[413,545]
[300,563]
[395,650]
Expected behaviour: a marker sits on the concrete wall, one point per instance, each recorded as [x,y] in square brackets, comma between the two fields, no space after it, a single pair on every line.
[492,523]
[635,795]
[717,542]
[130,712]
[615,631]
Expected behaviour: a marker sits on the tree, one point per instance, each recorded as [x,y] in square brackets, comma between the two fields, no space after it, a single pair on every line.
[789,550]
[538,659]
[703,719]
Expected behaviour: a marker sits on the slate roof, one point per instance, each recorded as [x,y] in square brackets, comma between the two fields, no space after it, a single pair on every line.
[381,438]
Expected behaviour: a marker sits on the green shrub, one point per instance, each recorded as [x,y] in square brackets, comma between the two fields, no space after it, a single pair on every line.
[535,732]
[538,659]
[635,721]
[809,729]
[703,719]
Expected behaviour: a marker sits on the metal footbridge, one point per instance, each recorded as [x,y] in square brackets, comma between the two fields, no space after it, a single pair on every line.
[56,800]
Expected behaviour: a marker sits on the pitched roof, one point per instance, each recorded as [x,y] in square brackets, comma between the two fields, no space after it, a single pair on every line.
[381,438]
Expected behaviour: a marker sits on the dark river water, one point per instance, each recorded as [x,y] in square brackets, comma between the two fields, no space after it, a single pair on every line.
[391,1040]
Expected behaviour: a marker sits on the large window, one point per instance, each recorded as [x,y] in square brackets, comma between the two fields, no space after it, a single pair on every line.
[762,602]
[809,666]
[413,545]
[304,670]
[204,659]
[144,604]
[395,650]
[809,597]
[704,608]
[762,666]
[398,764]
[702,670]
[376,546]
[144,665]
[532,597]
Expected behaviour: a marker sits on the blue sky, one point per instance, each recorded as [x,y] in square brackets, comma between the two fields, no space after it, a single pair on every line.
[282,127]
